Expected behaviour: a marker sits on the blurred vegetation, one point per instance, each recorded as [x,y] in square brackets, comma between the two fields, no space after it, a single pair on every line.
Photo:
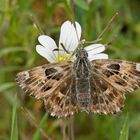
[18,39]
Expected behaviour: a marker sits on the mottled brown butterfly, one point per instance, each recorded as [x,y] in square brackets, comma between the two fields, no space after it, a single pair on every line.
[97,86]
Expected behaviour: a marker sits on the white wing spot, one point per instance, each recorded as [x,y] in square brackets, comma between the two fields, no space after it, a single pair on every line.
[26,75]
[52,114]
[138,67]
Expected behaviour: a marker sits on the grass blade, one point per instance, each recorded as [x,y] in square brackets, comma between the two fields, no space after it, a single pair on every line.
[82,4]
[6,51]
[125,129]
[37,134]
[6,86]
[14,127]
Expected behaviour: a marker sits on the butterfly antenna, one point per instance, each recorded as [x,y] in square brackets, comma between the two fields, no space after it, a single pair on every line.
[92,42]
[110,42]
[36,25]
[73,21]
[73,18]
[108,26]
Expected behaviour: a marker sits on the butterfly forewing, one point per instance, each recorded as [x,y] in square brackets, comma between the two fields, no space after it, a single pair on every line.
[123,75]
[40,81]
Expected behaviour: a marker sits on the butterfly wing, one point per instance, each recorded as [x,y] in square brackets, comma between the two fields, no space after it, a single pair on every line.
[50,82]
[111,79]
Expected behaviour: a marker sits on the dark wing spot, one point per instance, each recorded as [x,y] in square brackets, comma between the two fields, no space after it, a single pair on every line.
[102,85]
[121,101]
[108,73]
[125,76]
[57,99]
[107,102]
[114,66]
[121,83]
[114,69]
[52,73]
[28,81]
[138,82]
[39,83]
[101,100]
[115,93]
[95,99]
[138,73]
[110,97]
[44,89]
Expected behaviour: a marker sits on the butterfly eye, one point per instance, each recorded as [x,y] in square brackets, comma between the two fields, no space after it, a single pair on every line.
[84,53]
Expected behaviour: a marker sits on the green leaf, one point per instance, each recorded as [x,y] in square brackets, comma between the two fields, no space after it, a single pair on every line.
[14,126]
[6,86]
[125,129]
[82,4]
[3,5]
[6,90]
[5,51]
[37,134]
[9,68]
[25,5]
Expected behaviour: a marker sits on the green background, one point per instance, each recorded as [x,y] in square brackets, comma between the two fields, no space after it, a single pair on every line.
[20,115]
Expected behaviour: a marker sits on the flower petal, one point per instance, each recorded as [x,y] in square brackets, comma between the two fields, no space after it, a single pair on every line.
[95,48]
[47,42]
[69,36]
[46,49]
[46,53]
[98,56]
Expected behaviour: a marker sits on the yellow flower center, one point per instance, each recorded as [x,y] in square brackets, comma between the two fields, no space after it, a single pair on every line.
[63,57]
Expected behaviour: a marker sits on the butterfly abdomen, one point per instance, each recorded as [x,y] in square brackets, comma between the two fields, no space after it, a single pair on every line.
[83,92]
[83,100]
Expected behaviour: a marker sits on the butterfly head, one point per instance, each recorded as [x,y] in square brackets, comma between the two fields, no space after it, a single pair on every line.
[81,53]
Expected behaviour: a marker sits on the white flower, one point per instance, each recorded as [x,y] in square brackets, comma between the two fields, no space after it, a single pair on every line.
[69,39]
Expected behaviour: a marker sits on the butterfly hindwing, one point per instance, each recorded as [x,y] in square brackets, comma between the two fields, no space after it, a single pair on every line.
[105,99]
[113,78]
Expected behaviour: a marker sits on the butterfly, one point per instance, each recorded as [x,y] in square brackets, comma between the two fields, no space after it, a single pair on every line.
[67,87]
